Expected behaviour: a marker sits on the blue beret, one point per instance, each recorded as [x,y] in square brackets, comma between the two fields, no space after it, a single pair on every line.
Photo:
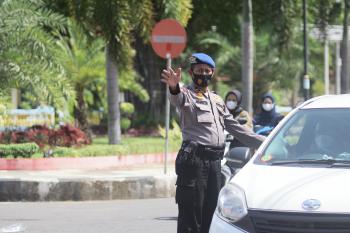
[202,58]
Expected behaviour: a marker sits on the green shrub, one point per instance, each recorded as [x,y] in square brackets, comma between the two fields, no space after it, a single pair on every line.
[125,123]
[146,120]
[25,150]
[174,133]
[65,152]
[127,108]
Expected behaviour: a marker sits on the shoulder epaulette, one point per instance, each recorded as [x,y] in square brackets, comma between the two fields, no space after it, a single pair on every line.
[184,89]
[216,97]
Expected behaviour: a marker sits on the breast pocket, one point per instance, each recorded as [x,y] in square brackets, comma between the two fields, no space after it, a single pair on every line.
[204,114]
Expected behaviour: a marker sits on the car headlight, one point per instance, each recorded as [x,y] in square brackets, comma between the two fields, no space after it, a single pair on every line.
[232,203]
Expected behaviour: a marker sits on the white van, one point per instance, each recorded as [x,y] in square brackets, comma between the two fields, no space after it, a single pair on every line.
[298,181]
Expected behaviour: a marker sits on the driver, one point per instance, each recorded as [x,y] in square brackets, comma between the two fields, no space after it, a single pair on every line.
[327,138]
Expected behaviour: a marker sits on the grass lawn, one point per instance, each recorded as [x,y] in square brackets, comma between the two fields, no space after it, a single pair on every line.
[128,146]
[141,145]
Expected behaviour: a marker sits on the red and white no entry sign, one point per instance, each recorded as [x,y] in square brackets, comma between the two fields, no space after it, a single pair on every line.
[168,37]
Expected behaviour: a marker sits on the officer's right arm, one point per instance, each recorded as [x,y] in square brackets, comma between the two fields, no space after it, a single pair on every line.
[172,79]
[177,97]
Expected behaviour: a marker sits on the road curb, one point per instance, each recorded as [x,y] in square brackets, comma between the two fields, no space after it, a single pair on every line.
[100,162]
[87,189]
[35,184]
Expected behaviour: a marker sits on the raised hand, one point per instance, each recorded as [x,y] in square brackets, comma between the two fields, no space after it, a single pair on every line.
[171,77]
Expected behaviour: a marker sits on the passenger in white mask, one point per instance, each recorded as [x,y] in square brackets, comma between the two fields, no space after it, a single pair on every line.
[233,101]
[267,115]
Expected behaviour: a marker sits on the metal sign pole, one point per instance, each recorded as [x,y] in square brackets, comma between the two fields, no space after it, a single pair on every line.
[306,80]
[168,40]
[167,115]
[337,68]
[326,67]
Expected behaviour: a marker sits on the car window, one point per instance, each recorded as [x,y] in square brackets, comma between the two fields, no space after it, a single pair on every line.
[311,134]
[292,135]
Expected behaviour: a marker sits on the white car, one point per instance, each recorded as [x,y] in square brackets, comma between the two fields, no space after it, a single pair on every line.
[299,178]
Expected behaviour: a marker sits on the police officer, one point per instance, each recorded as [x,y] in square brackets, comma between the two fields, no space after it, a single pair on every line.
[203,118]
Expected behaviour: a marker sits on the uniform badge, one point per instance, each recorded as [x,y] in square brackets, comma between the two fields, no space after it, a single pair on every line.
[199,94]
[199,82]
[192,60]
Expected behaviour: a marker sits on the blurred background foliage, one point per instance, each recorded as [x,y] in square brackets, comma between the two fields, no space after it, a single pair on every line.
[54,52]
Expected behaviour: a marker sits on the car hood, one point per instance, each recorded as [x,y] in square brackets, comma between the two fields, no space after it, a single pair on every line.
[286,188]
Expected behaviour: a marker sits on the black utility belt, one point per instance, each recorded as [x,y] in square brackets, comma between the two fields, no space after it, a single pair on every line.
[205,151]
[203,147]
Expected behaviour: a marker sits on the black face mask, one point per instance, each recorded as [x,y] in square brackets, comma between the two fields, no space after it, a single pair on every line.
[202,80]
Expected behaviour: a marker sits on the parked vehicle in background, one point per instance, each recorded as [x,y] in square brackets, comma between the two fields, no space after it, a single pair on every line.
[297,180]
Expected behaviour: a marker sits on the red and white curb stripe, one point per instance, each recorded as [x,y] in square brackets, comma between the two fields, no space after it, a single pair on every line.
[100,162]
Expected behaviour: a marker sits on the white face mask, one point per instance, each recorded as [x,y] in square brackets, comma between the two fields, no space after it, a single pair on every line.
[268,107]
[231,104]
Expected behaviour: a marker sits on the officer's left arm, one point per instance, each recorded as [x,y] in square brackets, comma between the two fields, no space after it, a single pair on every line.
[241,132]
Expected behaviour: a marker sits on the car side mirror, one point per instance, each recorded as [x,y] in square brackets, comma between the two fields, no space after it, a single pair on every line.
[237,157]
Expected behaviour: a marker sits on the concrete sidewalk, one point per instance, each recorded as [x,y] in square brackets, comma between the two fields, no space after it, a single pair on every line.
[135,182]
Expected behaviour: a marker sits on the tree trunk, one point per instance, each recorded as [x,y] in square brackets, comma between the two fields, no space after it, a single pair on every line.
[345,51]
[80,111]
[15,97]
[149,66]
[247,56]
[114,133]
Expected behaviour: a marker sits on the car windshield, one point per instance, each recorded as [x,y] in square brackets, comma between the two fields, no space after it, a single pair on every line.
[309,137]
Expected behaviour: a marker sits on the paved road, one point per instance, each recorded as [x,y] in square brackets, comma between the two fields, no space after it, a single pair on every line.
[121,216]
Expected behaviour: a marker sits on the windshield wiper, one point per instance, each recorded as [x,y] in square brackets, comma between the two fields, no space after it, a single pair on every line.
[331,162]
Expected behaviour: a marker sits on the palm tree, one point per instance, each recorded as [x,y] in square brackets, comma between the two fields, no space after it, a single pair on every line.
[345,50]
[114,21]
[83,61]
[227,58]
[26,51]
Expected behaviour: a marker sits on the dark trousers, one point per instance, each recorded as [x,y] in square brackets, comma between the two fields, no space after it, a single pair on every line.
[197,203]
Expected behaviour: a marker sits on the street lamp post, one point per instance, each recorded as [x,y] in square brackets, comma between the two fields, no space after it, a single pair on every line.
[332,33]
[306,80]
